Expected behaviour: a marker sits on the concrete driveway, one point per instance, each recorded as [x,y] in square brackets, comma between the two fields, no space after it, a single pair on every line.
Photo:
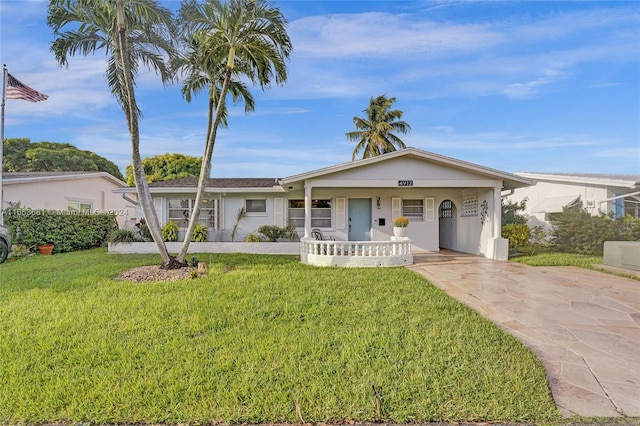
[583,325]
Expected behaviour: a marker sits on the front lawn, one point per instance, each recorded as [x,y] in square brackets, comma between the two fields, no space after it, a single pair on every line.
[571,259]
[260,339]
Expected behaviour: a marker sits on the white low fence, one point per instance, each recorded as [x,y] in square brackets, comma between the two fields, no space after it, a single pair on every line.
[312,252]
[292,248]
[356,253]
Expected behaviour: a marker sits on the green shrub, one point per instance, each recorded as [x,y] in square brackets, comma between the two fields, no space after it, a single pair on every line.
[145,233]
[510,215]
[290,232]
[66,231]
[577,231]
[517,234]
[199,234]
[271,232]
[539,239]
[253,237]
[124,236]
[170,231]
[274,233]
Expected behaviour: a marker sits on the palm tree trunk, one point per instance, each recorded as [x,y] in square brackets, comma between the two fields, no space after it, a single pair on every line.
[205,168]
[142,188]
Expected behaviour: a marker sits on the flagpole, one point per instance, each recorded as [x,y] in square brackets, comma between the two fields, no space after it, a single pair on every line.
[4,98]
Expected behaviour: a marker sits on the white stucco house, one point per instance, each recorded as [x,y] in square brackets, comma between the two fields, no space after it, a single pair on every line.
[67,192]
[598,193]
[450,203]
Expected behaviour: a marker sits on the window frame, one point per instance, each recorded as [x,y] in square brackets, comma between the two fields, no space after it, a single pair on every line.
[299,220]
[413,216]
[80,209]
[263,212]
[210,222]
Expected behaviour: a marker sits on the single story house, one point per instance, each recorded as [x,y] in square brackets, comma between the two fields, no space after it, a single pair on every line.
[87,192]
[618,195]
[450,203]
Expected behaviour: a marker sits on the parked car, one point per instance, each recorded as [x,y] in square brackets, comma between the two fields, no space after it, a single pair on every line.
[5,243]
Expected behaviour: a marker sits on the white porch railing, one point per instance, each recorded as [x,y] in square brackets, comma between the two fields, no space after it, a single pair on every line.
[356,253]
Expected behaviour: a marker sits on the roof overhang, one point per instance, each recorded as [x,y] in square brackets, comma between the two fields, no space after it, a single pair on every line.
[62,176]
[509,181]
[621,181]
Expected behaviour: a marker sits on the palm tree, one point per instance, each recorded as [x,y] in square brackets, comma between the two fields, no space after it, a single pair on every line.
[249,38]
[133,32]
[374,135]
[201,74]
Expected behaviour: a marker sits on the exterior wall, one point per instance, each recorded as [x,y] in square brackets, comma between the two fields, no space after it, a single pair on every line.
[381,183]
[56,194]
[589,194]
[471,234]
[228,205]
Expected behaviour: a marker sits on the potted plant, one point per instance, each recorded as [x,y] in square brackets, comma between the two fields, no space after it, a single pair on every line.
[400,224]
[45,249]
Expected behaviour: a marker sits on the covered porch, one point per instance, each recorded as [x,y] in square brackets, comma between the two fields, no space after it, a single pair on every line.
[450,204]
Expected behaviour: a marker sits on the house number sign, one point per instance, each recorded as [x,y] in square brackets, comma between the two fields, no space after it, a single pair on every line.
[405,183]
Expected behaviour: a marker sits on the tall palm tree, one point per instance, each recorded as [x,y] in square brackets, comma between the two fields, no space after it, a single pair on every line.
[133,32]
[374,135]
[249,38]
[200,74]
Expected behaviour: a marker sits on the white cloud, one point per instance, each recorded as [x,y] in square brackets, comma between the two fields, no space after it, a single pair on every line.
[498,142]
[383,34]
[626,153]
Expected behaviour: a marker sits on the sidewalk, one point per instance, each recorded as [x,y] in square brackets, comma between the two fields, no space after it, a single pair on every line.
[583,325]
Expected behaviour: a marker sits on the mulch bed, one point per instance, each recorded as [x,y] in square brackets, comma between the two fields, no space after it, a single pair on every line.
[144,274]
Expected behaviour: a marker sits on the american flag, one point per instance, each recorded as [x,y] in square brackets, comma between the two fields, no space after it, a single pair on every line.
[17,90]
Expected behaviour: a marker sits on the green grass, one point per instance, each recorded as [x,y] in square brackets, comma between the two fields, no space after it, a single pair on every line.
[260,339]
[569,259]
[560,259]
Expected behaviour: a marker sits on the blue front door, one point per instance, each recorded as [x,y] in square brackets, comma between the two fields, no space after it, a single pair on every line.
[359,219]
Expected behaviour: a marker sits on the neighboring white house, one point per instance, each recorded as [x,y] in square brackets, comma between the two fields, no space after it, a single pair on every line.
[67,192]
[598,193]
[450,203]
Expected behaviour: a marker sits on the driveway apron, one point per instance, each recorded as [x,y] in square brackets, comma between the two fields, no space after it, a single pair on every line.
[584,325]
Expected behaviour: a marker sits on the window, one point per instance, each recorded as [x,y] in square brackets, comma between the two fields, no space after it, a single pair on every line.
[256,206]
[320,213]
[413,209]
[469,203]
[180,212]
[632,208]
[76,207]
[446,209]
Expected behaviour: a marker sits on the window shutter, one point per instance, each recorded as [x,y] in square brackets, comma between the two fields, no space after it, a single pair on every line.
[158,203]
[429,209]
[278,212]
[396,207]
[341,213]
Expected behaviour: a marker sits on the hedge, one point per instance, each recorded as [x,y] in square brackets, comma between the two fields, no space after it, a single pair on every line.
[66,231]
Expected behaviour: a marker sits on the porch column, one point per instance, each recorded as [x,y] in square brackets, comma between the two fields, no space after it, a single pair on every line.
[307,210]
[497,213]
[497,247]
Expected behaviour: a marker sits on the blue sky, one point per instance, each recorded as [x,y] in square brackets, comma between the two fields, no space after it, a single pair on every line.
[516,86]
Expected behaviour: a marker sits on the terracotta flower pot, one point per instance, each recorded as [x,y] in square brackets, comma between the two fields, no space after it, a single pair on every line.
[45,249]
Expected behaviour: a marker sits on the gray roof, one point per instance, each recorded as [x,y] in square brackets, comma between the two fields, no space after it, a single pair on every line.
[192,182]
